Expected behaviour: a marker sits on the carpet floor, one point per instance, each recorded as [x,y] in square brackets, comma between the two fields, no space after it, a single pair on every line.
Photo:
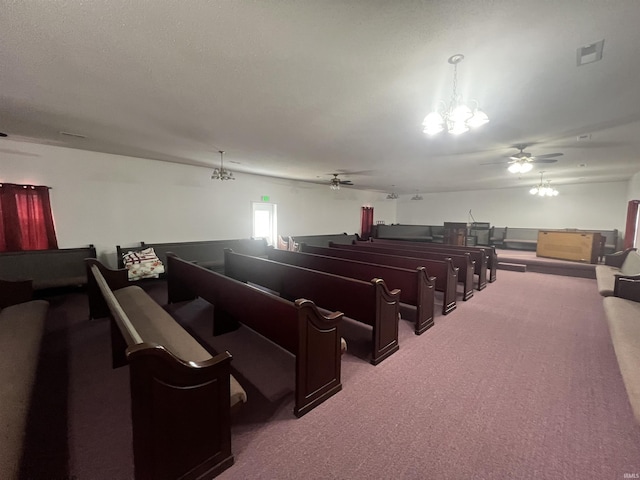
[521,381]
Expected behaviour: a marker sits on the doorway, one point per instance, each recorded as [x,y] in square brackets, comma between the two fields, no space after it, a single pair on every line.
[265,221]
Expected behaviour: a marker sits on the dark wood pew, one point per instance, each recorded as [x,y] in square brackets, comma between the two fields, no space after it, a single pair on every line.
[485,257]
[444,271]
[370,302]
[466,266]
[299,327]
[181,395]
[416,287]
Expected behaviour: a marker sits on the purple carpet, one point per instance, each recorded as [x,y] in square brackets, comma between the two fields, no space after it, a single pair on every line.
[521,381]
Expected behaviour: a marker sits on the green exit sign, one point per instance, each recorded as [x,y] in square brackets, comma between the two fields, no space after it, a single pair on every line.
[265,198]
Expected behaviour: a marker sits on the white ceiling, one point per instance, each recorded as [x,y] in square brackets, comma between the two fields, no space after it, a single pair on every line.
[301,89]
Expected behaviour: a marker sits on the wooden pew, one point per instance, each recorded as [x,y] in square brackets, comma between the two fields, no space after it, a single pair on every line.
[370,302]
[485,257]
[466,266]
[416,287]
[444,271]
[299,327]
[181,396]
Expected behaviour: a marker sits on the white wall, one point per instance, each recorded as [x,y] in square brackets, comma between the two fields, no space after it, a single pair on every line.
[110,200]
[600,206]
[633,192]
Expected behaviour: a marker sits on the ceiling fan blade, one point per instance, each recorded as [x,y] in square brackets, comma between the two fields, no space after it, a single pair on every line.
[346,182]
[549,155]
[544,160]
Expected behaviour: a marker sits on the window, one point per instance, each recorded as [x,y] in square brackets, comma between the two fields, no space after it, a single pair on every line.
[265,222]
[26,222]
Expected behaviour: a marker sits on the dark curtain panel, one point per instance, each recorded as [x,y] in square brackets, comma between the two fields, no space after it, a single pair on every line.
[630,228]
[26,221]
[366,223]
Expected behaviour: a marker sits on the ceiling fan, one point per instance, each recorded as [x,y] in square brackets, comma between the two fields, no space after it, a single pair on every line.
[522,162]
[335,182]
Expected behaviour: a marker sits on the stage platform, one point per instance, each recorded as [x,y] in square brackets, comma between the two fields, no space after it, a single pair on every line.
[526,261]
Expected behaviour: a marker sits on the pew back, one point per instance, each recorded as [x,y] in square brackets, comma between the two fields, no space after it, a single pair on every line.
[444,271]
[416,287]
[367,302]
[299,327]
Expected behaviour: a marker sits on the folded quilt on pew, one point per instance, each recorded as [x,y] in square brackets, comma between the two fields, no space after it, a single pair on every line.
[142,264]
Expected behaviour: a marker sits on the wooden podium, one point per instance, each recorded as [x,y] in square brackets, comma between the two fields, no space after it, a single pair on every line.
[576,245]
[455,233]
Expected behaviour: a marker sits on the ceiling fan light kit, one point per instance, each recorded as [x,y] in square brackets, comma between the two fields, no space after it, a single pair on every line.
[457,118]
[521,166]
[335,182]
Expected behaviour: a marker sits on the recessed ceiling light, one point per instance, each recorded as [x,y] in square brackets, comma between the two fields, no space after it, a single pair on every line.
[69,134]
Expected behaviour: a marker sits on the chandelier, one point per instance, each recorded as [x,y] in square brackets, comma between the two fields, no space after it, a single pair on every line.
[392,196]
[335,183]
[457,118]
[417,197]
[544,189]
[222,173]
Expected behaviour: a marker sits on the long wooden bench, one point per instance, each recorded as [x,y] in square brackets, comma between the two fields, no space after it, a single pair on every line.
[22,325]
[55,268]
[318,240]
[485,257]
[444,271]
[299,327]
[208,253]
[623,313]
[463,262]
[416,287]
[371,303]
[181,396]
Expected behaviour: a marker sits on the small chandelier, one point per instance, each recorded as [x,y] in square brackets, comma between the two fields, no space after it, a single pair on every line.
[222,173]
[520,166]
[417,197]
[458,117]
[392,196]
[544,189]
[335,183]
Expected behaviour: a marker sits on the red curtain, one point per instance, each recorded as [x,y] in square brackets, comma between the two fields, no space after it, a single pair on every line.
[366,223]
[630,228]
[26,221]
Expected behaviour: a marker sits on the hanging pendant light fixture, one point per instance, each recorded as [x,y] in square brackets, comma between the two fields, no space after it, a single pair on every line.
[457,118]
[544,189]
[222,173]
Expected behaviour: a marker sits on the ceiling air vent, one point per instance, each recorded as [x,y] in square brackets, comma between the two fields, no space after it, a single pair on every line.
[590,53]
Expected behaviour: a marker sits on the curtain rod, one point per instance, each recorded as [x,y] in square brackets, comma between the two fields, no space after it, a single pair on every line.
[2,184]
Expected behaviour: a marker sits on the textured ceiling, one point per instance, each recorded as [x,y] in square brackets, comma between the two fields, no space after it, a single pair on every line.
[301,89]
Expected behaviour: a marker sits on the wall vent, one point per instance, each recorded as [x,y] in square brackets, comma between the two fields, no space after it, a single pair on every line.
[590,53]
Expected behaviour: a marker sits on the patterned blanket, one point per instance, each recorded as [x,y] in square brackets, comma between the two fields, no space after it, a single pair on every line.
[142,264]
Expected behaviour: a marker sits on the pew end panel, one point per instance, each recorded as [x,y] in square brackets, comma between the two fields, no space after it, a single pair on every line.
[170,439]
[426,305]
[449,304]
[385,333]
[318,359]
